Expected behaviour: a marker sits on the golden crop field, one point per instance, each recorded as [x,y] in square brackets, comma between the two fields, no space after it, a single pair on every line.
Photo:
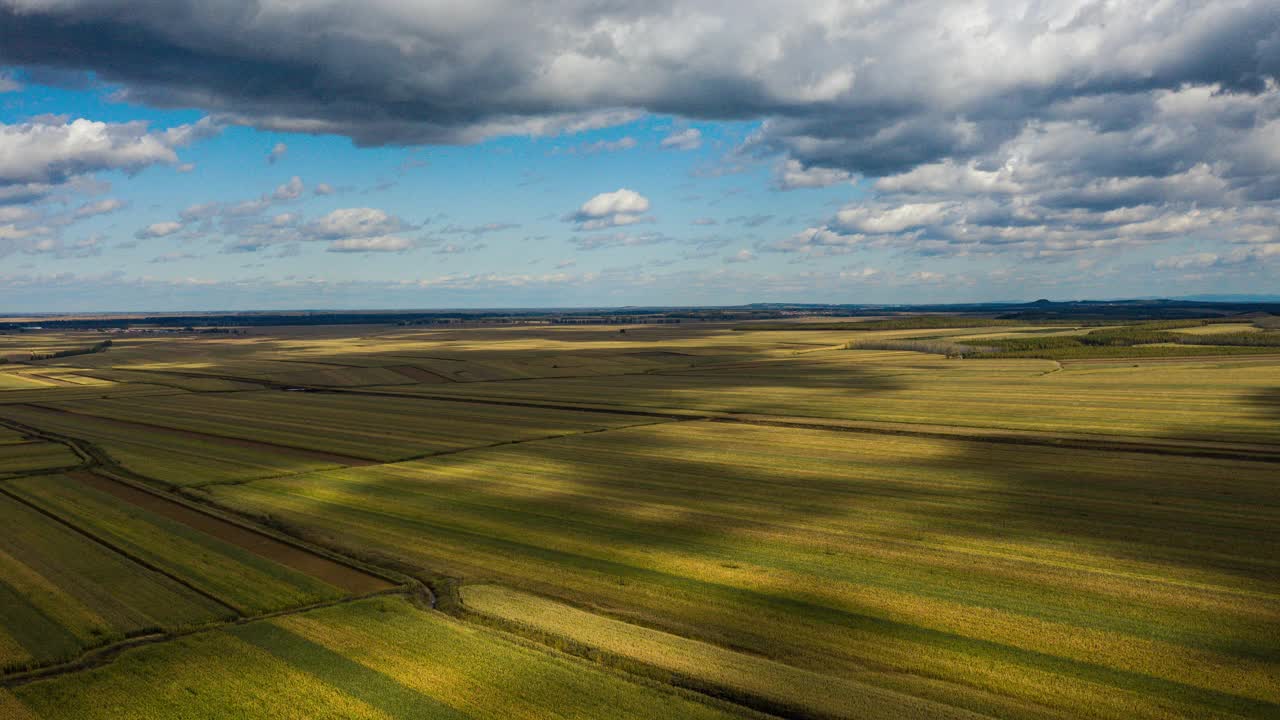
[372,660]
[924,558]
[702,520]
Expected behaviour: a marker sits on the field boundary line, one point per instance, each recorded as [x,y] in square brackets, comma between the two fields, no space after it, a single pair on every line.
[963,432]
[157,382]
[638,668]
[102,465]
[119,550]
[442,453]
[1065,442]
[336,458]
[105,654]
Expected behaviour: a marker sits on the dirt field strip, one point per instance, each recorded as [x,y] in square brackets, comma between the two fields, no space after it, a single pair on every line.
[343,576]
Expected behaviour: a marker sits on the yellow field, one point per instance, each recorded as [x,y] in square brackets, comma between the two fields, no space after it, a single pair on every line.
[761,681]
[976,565]
[374,660]
[760,516]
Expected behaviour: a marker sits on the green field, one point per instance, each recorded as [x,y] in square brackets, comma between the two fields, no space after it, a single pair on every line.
[371,428]
[1222,401]
[241,579]
[374,660]
[675,521]
[173,457]
[956,561]
[63,593]
[749,679]
[33,456]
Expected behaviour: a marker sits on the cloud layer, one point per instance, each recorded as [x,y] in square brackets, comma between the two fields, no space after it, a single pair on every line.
[1036,130]
[870,87]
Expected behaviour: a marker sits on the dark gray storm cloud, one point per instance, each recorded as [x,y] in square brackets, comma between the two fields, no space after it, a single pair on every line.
[1052,127]
[869,87]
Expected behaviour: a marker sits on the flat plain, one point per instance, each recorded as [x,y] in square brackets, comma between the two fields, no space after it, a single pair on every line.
[714,520]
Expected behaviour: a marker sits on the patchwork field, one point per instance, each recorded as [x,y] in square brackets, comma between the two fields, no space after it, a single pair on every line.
[368,428]
[242,580]
[778,687]
[25,457]
[926,566]
[63,592]
[175,457]
[675,521]
[372,660]
[1224,400]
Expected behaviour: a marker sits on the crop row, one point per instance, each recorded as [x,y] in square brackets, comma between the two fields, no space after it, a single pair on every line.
[63,593]
[376,428]
[751,680]
[173,457]
[997,571]
[1209,403]
[246,581]
[372,660]
[34,456]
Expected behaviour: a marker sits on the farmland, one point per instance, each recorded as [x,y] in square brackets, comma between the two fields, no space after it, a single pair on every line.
[64,592]
[26,457]
[237,578]
[717,520]
[858,550]
[371,660]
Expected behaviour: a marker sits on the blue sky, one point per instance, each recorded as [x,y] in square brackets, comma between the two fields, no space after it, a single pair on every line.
[722,181]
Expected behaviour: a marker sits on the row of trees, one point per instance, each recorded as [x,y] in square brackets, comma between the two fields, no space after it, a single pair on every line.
[100,347]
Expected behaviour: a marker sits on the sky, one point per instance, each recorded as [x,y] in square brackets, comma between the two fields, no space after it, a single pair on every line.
[285,154]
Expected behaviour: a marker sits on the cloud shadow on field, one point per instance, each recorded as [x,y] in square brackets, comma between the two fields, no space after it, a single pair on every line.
[744,536]
[828,550]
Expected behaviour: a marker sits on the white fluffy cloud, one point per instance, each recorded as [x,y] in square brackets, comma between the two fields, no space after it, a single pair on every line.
[355,223]
[51,151]
[611,209]
[158,230]
[1105,175]
[793,175]
[865,219]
